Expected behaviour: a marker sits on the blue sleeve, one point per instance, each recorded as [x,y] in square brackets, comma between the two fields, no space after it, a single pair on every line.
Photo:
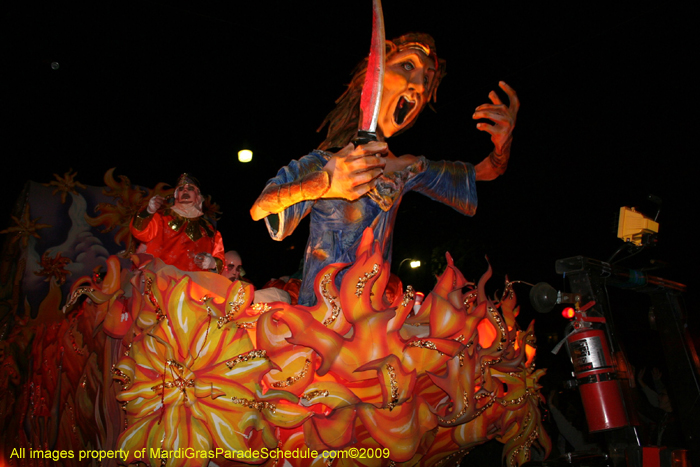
[282,225]
[449,182]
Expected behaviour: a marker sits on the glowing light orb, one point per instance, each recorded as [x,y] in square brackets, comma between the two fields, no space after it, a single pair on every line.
[245,155]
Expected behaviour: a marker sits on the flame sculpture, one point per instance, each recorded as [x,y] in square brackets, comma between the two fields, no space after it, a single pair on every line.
[207,371]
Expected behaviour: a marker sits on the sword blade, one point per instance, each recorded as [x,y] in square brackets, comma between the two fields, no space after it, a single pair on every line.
[374,81]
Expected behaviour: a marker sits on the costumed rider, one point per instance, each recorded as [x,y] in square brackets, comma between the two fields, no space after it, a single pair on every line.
[233,266]
[180,234]
[233,271]
[352,188]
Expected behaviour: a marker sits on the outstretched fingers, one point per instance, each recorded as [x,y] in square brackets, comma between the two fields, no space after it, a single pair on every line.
[501,116]
[494,98]
[492,112]
[512,96]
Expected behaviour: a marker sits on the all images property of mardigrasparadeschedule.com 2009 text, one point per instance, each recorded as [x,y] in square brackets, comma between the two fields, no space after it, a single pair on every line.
[191,453]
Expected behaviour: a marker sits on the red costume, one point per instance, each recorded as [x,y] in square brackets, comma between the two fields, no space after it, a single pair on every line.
[176,239]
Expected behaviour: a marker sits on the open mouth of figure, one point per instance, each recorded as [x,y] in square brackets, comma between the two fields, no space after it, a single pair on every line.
[403,108]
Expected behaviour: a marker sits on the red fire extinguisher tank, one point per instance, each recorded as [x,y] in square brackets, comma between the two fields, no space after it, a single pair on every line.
[595,374]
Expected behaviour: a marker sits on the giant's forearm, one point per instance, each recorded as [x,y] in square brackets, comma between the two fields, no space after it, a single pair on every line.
[495,164]
[276,198]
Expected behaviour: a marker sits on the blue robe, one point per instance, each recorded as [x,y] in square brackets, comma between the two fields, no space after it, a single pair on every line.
[337,225]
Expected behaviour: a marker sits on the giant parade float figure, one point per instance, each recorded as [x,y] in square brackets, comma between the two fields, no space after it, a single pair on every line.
[145,362]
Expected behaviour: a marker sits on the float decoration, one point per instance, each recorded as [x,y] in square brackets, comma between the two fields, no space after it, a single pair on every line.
[147,356]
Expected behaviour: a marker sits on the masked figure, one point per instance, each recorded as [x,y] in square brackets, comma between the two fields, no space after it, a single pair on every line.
[180,235]
[352,188]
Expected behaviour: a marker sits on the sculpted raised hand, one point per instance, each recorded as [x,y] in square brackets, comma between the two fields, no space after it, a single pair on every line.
[503,117]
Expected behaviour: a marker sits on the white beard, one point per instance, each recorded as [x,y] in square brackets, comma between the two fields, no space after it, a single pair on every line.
[188,211]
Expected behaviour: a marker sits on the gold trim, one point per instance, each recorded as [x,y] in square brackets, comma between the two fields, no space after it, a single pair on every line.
[195,228]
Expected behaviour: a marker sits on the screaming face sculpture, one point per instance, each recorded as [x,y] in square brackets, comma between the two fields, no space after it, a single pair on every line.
[407,81]
[411,77]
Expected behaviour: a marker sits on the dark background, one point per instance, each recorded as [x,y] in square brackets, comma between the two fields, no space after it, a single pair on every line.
[159,88]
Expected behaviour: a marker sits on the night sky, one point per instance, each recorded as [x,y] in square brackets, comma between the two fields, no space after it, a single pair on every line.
[159,88]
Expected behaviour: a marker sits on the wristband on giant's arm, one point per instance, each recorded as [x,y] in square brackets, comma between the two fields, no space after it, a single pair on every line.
[276,198]
[499,162]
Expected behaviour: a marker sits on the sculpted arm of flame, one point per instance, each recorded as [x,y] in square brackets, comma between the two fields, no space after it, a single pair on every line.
[404,306]
[523,428]
[477,431]
[327,308]
[361,298]
[442,448]
[388,370]
[519,386]
[339,395]
[117,319]
[113,278]
[294,369]
[459,383]
[295,364]
[334,429]
[484,424]
[520,353]
[143,309]
[448,318]
[401,429]
[509,306]
[444,306]
[367,344]
[305,331]
[288,413]
[364,283]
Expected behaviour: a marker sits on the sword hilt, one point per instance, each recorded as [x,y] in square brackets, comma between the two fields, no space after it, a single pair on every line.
[364,137]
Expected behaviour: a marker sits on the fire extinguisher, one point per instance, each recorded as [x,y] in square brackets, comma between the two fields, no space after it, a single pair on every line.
[595,373]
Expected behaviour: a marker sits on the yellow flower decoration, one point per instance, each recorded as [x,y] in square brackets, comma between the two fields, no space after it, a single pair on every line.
[190,383]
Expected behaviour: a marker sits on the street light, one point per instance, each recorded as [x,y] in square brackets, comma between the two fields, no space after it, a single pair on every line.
[245,155]
[414,263]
